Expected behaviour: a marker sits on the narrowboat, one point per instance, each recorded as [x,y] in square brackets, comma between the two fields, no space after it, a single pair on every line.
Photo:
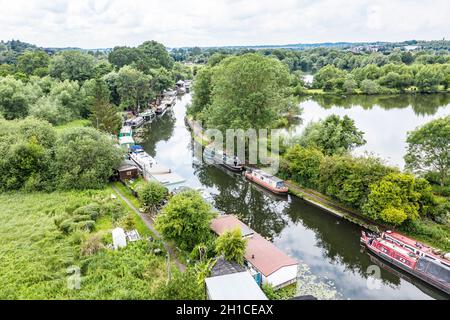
[221,158]
[166,103]
[148,115]
[126,137]
[270,182]
[410,258]
[135,123]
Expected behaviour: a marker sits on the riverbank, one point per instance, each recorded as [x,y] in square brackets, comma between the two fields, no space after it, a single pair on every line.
[358,92]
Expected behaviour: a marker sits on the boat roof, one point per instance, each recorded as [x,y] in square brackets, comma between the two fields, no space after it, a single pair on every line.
[267,175]
[261,253]
[395,247]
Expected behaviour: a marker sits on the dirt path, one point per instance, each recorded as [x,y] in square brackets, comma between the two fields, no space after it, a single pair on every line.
[149,223]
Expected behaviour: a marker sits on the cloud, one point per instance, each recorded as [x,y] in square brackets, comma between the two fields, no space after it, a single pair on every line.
[106,23]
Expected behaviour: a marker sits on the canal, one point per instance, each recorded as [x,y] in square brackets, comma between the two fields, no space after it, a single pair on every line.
[332,262]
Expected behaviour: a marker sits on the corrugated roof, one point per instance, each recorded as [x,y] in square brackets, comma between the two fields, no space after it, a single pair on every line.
[236,286]
[261,253]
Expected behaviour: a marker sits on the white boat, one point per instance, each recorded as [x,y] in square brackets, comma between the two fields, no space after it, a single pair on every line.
[135,123]
[219,157]
[126,137]
[148,115]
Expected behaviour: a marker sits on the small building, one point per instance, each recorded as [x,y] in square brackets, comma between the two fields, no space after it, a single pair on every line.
[127,170]
[234,286]
[261,256]
[119,238]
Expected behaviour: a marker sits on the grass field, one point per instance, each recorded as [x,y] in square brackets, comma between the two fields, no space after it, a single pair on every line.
[36,257]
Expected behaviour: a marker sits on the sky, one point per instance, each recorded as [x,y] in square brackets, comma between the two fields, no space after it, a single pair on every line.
[178,23]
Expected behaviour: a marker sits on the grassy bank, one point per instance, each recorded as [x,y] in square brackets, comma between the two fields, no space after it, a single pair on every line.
[36,256]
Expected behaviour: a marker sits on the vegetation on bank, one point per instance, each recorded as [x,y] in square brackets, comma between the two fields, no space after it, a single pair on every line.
[380,192]
[55,236]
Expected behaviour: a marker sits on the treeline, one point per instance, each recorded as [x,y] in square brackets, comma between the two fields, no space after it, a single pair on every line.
[65,86]
[348,71]
[389,78]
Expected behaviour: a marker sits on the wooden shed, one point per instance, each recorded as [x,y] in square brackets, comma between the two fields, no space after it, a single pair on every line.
[127,170]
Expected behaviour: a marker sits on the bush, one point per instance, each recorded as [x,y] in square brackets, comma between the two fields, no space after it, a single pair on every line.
[84,159]
[152,194]
[393,216]
[185,219]
[303,164]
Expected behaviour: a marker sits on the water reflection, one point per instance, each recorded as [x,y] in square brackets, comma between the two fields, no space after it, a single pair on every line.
[385,120]
[327,246]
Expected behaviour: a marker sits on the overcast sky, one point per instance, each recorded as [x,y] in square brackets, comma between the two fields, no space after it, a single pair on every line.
[175,23]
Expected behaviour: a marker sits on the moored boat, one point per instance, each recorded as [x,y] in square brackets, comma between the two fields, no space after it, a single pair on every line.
[270,182]
[221,158]
[148,115]
[135,123]
[426,267]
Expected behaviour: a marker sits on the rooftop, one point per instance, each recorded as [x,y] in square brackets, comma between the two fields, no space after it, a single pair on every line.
[236,286]
[261,253]
[223,267]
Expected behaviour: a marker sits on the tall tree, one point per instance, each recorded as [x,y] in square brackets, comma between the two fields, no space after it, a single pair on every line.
[34,63]
[333,135]
[248,92]
[14,98]
[104,115]
[133,87]
[429,148]
[72,65]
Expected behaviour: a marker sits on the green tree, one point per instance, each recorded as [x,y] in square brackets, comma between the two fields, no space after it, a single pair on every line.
[304,164]
[153,55]
[248,92]
[133,87]
[72,65]
[104,115]
[429,148]
[152,194]
[34,63]
[14,98]
[232,245]
[401,192]
[369,87]
[348,179]
[185,219]
[123,56]
[333,135]
[202,88]
[429,77]
[84,158]
[327,76]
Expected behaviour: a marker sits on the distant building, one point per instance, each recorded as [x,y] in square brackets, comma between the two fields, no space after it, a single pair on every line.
[261,256]
[119,238]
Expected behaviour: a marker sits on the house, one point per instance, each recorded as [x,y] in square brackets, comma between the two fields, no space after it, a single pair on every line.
[119,238]
[127,170]
[231,281]
[261,256]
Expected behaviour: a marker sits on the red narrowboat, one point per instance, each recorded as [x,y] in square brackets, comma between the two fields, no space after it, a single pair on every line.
[426,267]
[272,183]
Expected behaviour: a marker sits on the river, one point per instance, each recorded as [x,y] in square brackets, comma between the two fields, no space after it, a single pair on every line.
[333,264]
